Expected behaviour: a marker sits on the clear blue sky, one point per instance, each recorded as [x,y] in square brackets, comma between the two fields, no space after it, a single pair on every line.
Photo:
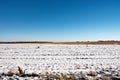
[59,20]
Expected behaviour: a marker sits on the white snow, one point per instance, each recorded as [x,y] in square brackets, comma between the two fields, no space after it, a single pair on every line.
[58,58]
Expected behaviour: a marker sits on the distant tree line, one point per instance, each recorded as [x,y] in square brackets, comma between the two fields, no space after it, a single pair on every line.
[76,42]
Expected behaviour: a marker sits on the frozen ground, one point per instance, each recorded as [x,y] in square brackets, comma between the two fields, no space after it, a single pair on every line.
[42,58]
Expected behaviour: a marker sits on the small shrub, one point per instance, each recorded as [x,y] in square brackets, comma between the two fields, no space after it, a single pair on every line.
[10,73]
[34,74]
[91,73]
[20,70]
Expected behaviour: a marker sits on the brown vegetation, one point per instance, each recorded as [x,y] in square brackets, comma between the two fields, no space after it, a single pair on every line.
[62,76]
[10,73]
[20,70]
[77,42]
[105,78]
[91,73]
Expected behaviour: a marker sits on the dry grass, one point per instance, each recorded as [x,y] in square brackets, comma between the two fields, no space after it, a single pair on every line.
[91,73]
[10,73]
[62,76]
[105,78]
[20,70]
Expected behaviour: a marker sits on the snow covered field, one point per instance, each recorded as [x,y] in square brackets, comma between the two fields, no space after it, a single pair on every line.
[41,58]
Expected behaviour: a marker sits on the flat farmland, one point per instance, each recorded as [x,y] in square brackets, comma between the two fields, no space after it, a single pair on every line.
[59,58]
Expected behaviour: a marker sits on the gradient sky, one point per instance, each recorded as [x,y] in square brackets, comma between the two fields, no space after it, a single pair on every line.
[59,20]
